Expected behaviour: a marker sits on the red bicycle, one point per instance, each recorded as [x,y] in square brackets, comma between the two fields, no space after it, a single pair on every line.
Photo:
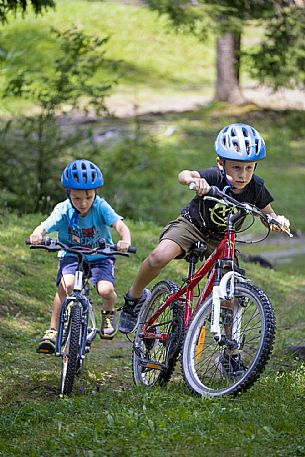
[224,332]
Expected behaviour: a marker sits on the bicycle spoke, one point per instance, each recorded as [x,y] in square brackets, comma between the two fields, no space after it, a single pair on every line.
[154,358]
[220,369]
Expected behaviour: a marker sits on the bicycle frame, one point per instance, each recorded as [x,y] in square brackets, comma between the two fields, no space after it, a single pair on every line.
[74,335]
[79,295]
[222,256]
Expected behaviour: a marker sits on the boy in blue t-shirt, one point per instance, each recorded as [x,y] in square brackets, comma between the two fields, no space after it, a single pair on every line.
[83,219]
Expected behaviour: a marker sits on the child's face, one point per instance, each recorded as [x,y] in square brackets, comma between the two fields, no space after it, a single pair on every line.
[82,200]
[238,173]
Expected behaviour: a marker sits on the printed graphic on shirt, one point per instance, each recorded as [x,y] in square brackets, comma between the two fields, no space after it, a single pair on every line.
[219,213]
[83,236]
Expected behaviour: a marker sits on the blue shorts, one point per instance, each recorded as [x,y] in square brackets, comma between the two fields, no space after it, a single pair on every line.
[103,270]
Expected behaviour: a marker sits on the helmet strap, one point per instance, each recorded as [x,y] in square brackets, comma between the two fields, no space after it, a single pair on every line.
[74,218]
[222,171]
[229,185]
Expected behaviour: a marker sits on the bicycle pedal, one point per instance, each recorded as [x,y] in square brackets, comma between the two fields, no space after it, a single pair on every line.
[104,336]
[44,351]
[152,364]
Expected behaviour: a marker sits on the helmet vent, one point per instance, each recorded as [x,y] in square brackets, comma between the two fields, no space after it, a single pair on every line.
[245,132]
[236,145]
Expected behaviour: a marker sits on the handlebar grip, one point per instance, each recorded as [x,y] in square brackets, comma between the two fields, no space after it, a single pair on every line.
[44,242]
[131,249]
[214,192]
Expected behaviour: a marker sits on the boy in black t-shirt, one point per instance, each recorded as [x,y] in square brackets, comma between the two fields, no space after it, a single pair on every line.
[238,147]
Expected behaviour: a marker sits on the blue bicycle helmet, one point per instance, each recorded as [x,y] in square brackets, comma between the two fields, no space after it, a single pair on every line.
[82,175]
[240,142]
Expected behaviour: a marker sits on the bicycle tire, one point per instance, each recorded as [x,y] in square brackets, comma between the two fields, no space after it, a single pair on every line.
[71,349]
[202,360]
[154,360]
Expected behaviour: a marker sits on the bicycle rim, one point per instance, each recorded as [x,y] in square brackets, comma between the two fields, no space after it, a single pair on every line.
[70,350]
[206,366]
[154,359]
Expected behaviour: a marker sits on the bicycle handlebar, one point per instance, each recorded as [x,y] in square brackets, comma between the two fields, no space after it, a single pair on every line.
[219,196]
[103,248]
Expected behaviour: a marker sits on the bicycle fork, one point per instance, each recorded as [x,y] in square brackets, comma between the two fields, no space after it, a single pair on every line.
[223,289]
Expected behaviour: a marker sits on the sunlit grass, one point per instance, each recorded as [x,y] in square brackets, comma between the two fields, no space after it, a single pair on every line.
[150,55]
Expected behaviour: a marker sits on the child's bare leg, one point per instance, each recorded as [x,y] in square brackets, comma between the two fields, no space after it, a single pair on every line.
[166,251]
[65,287]
[106,290]
[137,296]
[108,326]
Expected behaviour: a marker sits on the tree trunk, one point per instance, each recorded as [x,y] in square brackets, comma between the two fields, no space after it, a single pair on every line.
[227,81]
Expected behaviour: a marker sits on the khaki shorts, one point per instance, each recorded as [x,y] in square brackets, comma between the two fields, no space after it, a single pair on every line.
[185,234]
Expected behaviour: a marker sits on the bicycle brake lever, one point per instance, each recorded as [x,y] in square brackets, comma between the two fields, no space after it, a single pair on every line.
[220,201]
[214,199]
[272,221]
[113,252]
[51,248]
[287,231]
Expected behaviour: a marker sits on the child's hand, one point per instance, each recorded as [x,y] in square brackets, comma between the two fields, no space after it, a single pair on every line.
[200,185]
[122,245]
[285,224]
[35,238]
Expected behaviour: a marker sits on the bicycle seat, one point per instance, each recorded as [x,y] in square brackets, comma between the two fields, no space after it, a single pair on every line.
[196,251]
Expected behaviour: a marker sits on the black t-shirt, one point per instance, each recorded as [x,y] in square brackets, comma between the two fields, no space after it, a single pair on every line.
[210,216]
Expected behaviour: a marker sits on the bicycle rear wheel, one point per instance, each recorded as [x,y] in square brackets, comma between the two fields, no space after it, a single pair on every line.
[207,367]
[154,358]
[71,348]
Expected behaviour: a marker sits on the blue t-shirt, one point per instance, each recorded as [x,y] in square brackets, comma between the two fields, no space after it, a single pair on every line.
[85,231]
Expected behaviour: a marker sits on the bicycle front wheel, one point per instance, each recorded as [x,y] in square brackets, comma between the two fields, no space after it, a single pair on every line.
[155,352]
[231,365]
[71,349]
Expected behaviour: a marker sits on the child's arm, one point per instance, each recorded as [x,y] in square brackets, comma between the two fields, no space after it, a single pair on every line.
[37,235]
[124,233]
[285,223]
[185,177]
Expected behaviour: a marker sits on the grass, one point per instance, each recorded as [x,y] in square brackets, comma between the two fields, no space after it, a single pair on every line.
[151,57]
[107,415]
